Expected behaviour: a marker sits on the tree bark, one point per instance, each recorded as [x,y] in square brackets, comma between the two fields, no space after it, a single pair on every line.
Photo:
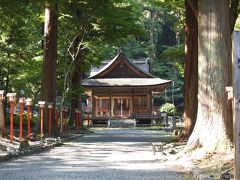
[75,81]
[236,102]
[233,13]
[190,68]
[78,56]
[2,119]
[214,54]
[76,98]
[50,59]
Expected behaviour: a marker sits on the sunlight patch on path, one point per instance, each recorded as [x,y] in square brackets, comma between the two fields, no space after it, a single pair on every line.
[106,155]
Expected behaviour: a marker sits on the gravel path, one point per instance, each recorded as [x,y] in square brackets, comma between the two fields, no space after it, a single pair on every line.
[110,154]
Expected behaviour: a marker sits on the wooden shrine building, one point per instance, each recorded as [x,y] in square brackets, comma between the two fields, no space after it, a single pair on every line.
[122,88]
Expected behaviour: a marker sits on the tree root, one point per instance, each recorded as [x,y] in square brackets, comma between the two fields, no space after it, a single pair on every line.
[189,148]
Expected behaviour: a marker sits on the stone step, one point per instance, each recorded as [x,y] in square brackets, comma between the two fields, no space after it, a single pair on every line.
[121,123]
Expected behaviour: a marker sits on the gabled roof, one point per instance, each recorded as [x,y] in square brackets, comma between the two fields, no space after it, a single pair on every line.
[120,72]
[154,84]
[124,82]
[120,67]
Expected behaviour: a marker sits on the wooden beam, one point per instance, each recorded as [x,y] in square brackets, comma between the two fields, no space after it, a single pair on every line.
[148,101]
[150,94]
[111,109]
[236,102]
[93,102]
[132,102]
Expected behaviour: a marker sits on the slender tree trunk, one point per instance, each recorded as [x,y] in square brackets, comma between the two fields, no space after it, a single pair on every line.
[214,54]
[78,54]
[50,58]
[190,68]
[76,100]
[2,119]
[76,80]
[4,105]
[5,102]
[151,30]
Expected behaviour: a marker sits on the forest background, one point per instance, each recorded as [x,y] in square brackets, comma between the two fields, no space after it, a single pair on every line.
[153,30]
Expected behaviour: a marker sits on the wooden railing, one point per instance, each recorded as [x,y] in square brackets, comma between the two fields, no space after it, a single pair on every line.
[140,110]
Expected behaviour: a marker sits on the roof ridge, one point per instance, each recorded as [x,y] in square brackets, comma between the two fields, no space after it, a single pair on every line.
[104,68]
[139,68]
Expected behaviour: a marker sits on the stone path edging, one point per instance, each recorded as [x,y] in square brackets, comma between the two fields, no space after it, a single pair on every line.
[13,151]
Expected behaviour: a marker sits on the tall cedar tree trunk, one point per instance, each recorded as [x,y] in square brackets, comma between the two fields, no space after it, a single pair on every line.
[190,68]
[50,59]
[214,74]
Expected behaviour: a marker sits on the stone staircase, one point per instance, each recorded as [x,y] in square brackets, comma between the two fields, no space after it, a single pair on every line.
[120,122]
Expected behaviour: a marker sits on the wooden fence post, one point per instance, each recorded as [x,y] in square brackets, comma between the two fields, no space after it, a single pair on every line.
[29,103]
[11,100]
[236,101]
[42,107]
[21,103]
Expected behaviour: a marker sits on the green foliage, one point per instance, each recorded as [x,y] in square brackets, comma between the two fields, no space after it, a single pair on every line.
[20,43]
[40,137]
[98,27]
[89,27]
[162,24]
[173,52]
[94,25]
[237,25]
[169,108]
[16,120]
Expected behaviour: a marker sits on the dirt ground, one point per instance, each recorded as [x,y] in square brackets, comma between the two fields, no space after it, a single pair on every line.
[120,150]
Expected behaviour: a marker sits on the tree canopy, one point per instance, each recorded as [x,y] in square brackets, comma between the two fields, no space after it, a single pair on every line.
[98,29]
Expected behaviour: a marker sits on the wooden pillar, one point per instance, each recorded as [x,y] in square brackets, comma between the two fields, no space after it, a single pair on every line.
[93,103]
[150,102]
[132,104]
[111,103]
[236,102]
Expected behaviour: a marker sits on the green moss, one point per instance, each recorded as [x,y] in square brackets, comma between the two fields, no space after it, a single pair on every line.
[187,177]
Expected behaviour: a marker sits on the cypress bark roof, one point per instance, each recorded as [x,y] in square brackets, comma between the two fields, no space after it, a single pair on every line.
[124,82]
[120,72]
[120,64]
